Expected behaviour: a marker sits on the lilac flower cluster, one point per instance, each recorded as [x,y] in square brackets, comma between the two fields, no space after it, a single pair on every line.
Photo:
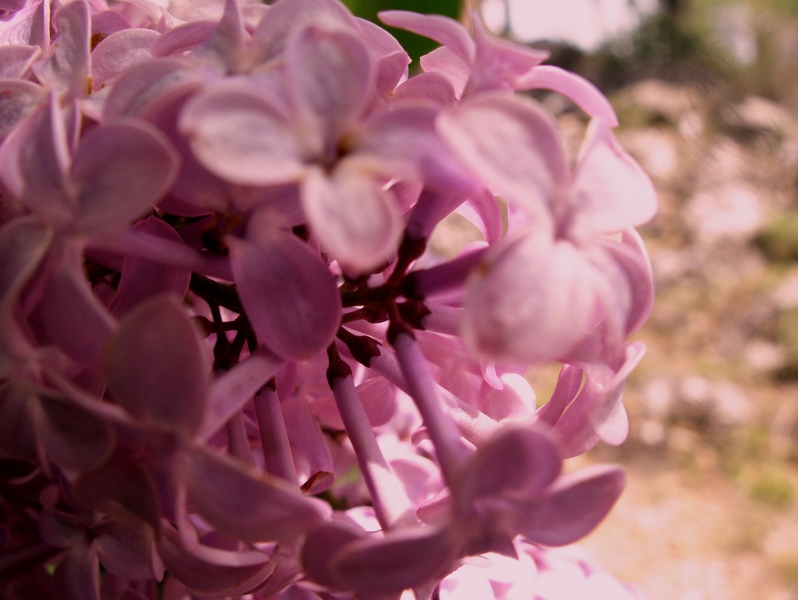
[228,365]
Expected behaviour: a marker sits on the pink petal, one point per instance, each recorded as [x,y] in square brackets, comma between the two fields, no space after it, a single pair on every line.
[402,559]
[210,579]
[387,55]
[183,38]
[329,78]
[353,217]
[517,462]
[247,504]
[444,30]
[120,483]
[232,390]
[118,52]
[288,16]
[482,211]
[512,144]
[157,366]
[68,69]
[321,546]
[142,279]
[529,300]
[33,162]
[16,60]
[112,192]
[18,99]
[127,549]
[499,63]
[573,507]
[23,245]
[428,87]
[610,191]
[74,438]
[77,576]
[144,87]
[632,257]
[444,62]
[289,294]
[236,133]
[70,315]
[226,45]
[577,89]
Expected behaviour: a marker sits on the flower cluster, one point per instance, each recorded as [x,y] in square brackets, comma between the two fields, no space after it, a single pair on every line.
[228,365]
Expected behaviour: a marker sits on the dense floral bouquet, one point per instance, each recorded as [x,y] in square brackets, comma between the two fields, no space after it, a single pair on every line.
[228,364]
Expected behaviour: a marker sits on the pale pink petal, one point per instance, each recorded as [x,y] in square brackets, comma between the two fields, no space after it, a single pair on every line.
[74,438]
[112,192]
[232,390]
[16,60]
[236,133]
[444,62]
[77,576]
[226,46]
[529,300]
[157,366]
[18,99]
[210,579]
[68,68]
[28,26]
[632,257]
[517,461]
[499,63]
[328,76]
[389,58]
[482,211]
[33,162]
[572,507]
[247,504]
[402,559]
[312,459]
[444,30]
[70,315]
[127,549]
[183,38]
[428,87]
[144,87]
[142,279]
[289,294]
[577,89]
[118,52]
[512,144]
[120,483]
[611,192]
[288,16]
[353,217]
[23,245]
[321,546]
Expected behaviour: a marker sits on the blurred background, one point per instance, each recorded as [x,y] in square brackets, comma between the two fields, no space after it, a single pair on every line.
[707,96]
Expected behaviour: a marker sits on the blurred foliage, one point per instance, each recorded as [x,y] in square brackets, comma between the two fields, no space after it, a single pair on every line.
[414,45]
[779,238]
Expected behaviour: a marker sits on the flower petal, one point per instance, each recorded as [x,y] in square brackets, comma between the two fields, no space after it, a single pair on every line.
[573,506]
[511,144]
[112,192]
[289,294]
[236,133]
[355,220]
[118,52]
[516,462]
[577,89]
[611,192]
[328,79]
[402,559]
[157,367]
[247,504]
[444,30]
